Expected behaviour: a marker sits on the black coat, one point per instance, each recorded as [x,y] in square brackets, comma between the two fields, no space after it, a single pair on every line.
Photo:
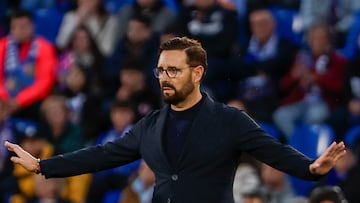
[207,164]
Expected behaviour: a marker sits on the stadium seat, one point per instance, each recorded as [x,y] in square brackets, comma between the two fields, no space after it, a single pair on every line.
[288,24]
[351,136]
[270,129]
[47,22]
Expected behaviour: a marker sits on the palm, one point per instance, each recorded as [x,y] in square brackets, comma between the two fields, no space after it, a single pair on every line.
[328,159]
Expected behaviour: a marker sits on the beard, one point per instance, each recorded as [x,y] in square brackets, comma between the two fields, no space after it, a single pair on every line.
[179,95]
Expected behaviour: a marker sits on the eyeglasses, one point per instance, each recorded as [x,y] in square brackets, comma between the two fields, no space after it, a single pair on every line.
[171,72]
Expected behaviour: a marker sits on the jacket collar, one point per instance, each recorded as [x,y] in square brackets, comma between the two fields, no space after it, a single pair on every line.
[198,127]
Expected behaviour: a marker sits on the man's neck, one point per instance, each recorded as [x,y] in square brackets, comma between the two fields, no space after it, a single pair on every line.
[189,102]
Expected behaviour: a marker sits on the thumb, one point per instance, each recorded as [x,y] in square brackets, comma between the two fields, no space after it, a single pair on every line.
[313,167]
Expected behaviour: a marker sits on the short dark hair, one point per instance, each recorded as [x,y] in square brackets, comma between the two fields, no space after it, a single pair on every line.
[330,193]
[21,13]
[196,54]
[143,18]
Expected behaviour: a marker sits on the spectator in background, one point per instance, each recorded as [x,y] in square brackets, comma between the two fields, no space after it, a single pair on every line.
[161,17]
[82,50]
[276,187]
[65,137]
[27,65]
[348,115]
[93,15]
[139,44]
[313,87]
[85,107]
[48,190]
[327,194]
[337,13]
[265,60]
[214,26]
[122,115]
[140,189]
[133,89]
[217,29]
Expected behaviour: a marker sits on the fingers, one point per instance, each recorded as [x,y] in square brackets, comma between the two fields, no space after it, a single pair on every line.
[9,145]
[335,149]
[340,155]
[14,148]
[15,159]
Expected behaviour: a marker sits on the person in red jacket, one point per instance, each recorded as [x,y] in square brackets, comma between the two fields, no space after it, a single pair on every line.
[313,86]
[27,66]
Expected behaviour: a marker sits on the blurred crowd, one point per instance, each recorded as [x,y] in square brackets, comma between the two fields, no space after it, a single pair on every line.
[75,73]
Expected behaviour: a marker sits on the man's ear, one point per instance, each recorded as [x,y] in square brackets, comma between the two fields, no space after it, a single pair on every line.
[198,73]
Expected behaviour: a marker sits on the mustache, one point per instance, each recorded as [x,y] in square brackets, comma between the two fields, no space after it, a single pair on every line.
[166,84]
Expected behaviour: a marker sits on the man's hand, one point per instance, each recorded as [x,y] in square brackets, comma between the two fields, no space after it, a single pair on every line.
[23,158]
[328,159]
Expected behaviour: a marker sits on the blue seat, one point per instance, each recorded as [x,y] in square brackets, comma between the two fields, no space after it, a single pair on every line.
[311,140]
[351,136]
[270,129]
[288,25]
[47,23]
[113,6]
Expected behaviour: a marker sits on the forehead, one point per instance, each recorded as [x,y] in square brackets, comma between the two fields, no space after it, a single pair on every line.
[173,58]
[20,20]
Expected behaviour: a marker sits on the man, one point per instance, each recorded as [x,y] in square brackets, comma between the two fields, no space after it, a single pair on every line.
[192,144]
[27,67]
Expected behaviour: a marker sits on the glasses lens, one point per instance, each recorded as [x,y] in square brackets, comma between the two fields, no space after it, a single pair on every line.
[171,72]
[156,72]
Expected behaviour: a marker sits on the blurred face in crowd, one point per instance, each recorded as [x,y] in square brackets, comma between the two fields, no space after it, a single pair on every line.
[81,41]
[21,29]
[204,4]
[319,41]
[121,117]
[146,175]
[272,178]
[134,80]
[262,25]
[47,188]
[177,89]
[89,5]
[138,32]
[54,110]
[75,79]
[146,3]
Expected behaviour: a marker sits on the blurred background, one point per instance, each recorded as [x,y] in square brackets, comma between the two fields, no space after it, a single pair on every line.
[76,73]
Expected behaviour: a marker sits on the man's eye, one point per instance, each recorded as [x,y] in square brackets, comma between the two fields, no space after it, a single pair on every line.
[172,70]
[160,70]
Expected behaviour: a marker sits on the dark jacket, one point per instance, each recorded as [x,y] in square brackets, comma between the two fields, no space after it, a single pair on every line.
[206,167]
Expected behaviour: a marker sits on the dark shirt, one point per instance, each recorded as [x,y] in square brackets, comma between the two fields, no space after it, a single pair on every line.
[177,128]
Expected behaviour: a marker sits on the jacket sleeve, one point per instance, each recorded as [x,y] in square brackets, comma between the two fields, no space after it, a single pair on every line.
[95,158]
[253,140]
[44,75]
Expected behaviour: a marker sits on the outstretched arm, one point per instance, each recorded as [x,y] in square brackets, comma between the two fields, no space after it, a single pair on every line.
[328,159]
[23,157]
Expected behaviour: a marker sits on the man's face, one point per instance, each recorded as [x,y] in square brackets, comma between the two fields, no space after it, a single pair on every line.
[319,41]
[21,29]
[138,32]
[175,90]
[262,25]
